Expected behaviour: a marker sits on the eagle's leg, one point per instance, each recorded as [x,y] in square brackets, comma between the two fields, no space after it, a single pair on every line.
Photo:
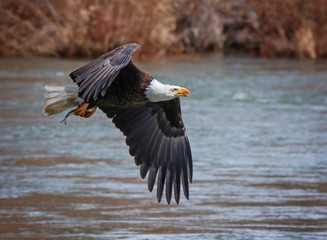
[89,114]
[81,110]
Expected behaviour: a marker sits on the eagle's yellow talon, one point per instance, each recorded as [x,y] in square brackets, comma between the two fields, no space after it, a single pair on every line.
[81,110]
[89,114]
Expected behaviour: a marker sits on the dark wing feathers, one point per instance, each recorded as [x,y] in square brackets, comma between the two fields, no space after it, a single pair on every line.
[154,132]
[157,139]
[161,182]
[152,177]
[95,78]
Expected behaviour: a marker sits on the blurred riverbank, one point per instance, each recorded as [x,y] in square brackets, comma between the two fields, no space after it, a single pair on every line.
[166,28]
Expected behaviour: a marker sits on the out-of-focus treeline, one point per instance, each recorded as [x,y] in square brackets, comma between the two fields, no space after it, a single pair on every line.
[165,28]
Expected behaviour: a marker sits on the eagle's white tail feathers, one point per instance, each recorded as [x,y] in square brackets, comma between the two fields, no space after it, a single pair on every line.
[60,98]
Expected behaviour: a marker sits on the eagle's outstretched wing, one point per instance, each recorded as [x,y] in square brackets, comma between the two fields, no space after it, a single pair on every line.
[157,139]
[95,77]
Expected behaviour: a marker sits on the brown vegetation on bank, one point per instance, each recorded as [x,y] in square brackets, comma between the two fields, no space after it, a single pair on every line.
[75,28]
[287,28]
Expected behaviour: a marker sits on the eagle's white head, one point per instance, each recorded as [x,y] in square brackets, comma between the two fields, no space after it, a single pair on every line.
[157,92]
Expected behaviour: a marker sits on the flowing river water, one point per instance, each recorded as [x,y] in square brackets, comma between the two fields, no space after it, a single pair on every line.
[258,132]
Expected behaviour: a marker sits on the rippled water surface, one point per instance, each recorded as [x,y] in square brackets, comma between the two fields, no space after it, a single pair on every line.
[258,132]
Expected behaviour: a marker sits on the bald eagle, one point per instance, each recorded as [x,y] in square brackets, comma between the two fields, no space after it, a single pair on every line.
[145,110]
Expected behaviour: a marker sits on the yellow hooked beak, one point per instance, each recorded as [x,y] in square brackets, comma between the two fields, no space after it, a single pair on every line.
[182,92]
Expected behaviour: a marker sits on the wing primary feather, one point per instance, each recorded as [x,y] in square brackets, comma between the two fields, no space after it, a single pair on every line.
[176,165]
[169,183]
[189,159]
[162,172]
[144,169]
[154,159]
[177,182]
[152,177]
[162,152]
[161,182]
[185,181]
[184,171]
[171,162]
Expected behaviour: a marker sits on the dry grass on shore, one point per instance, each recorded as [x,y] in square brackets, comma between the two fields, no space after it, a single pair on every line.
[292,28]
[74,28]
[85,28]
